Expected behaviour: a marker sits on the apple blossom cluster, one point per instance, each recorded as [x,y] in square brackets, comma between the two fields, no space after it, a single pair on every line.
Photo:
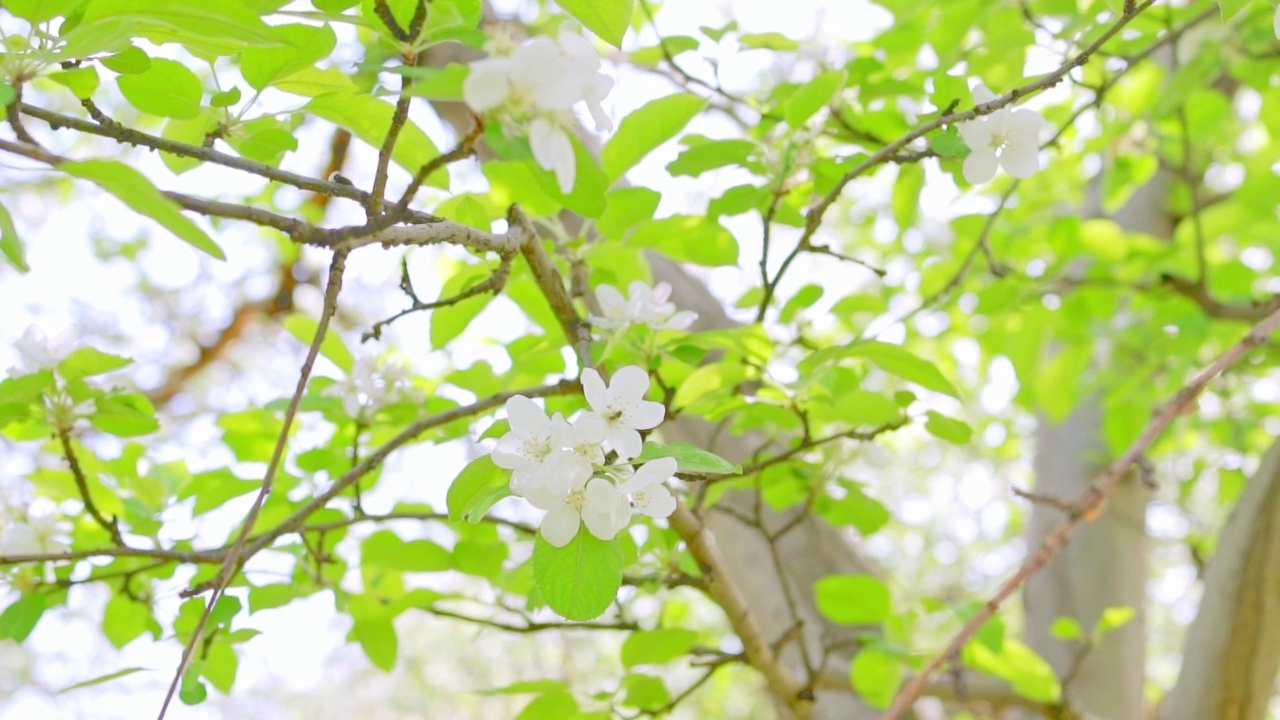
[23,532]
[1006,138]
[644,306]
[371,385]
[535,86]
[562,467]
[37,351]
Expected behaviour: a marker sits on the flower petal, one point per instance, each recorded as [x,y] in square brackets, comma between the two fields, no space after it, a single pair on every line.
[980,166]
[646,415]
[1026,125]
[593,387]
[656,471]
[981,94]
[630,381]
[488,84]
[528,420]
[560,525]
[656,502]
[553,150]
[625,441]
[1020,161]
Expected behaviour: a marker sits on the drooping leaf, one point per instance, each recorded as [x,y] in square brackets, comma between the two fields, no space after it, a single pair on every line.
[135,190]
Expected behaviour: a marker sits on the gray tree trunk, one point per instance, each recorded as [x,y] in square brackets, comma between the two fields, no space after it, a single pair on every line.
[1106,564]
[1232,651]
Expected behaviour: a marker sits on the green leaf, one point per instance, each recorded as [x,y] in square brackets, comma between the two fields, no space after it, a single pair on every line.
[852,599]
[264,139]
[655,647]
[437,83]
[812,97]
[124,619]
[1028,673]
[580,580]
[220,665]
[232,21]
[896,360]
[135,190]
[167,89]
[102,679]
[876,675]
[1066,628]
[129,61]
[124,415]
[643,691]
[25,388]
[650,125]
[11,245]
[19,619]
[607,18]
[80,81]
[689,458]
[689,238]
[377,637]
[709,155]
[314,82]
[304,330]
[386,549]
[38,11]
[626,208]
[1113,618]
[86,362]
[307,45]
[473,487]
[369,119]
[556,704]
[1230,8]
[949,429]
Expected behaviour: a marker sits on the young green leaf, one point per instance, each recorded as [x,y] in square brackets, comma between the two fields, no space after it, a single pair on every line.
[689,458]
[473,486]
[647,127]
[607,18]
[581,579]
[10,244]
[852,599]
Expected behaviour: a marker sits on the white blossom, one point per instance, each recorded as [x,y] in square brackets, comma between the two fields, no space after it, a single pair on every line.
[645,305]
[648,493]
[1275,23]
[585,436]
[373,384]
[31,535]
[529,442]
[592,500]
[37,351]
[622,407]
[536,86]
[1005,138]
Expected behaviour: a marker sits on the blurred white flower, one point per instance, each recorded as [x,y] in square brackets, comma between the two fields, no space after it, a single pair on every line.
[31,535]
[36,351]
[646,305]
[1005,138]
[373,384]
[537,84]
